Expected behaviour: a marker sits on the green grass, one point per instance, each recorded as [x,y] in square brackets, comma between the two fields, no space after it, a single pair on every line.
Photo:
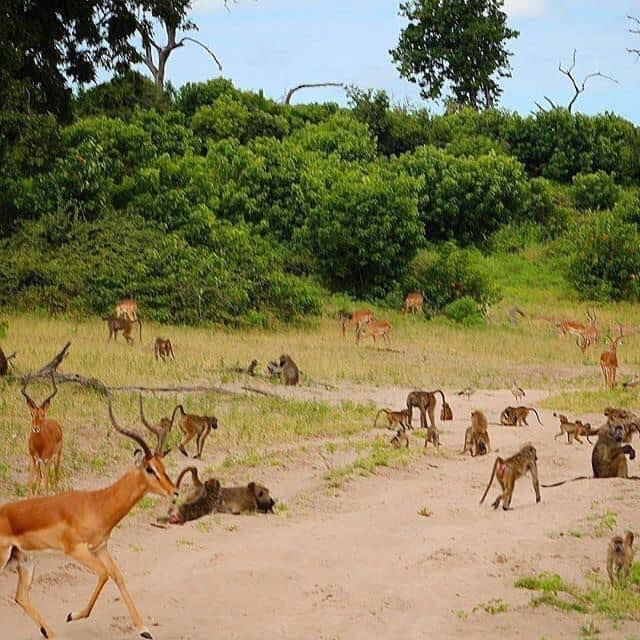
[597,599]
[493,606]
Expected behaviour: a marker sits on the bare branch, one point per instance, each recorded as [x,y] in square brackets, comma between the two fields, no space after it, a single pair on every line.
[287,99]
[213,55]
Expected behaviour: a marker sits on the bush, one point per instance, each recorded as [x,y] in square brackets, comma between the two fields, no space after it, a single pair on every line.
[447,274]
[232,277]
[466,199]
[604,258]
[594,191]
[364,230]
[627,207]
[465,311]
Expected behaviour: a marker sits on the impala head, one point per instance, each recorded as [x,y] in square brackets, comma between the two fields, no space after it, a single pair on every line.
[38,412]
[148,463]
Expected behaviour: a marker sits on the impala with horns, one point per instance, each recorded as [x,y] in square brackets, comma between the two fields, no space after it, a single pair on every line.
[79,524]
[570,327]
[45,441]
[590,333]
[609,362]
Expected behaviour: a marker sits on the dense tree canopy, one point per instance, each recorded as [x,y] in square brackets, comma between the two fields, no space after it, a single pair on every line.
[456,46]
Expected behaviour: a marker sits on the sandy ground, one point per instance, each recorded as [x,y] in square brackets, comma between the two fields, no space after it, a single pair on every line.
[359,562]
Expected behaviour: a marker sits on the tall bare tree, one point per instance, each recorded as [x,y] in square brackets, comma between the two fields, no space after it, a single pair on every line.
[635,31]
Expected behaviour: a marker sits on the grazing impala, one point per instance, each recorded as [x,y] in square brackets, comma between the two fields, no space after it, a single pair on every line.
[127,308]
[609,362]
[45,441]
[79,524]
[413,302]
[356,318]
[375,329]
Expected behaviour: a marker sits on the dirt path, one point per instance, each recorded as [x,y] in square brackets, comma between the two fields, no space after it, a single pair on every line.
[360,562]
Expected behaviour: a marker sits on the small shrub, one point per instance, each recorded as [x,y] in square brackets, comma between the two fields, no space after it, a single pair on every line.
[628,207]
[448,273]
[604,258]
[595,191]
[464,311]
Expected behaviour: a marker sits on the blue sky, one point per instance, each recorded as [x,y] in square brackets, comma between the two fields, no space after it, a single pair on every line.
[276,44]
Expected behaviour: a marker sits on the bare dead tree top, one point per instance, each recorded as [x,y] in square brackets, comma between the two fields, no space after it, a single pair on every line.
[578,87]
[309,85]
[635,32]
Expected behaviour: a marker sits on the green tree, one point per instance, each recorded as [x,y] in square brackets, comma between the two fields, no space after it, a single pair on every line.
[455,44]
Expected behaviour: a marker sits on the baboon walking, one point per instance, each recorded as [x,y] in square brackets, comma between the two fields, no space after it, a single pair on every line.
[193,426]
[509,470]
[163,349]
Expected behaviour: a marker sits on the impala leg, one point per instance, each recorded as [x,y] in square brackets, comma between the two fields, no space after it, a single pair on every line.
[38,476]
[116,575]
[26,570]
[89,560]
[57,467]
[32,473]
[46,473]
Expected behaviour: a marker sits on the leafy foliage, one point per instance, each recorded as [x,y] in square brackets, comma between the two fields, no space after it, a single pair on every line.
[605,258]
[595,191]
[448,274]
[458,44]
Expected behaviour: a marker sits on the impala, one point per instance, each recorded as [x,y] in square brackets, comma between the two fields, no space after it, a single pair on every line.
[413,302]
[609,362]
[375,329]
[127,308]
[357,318]
[45,441]
[79,524]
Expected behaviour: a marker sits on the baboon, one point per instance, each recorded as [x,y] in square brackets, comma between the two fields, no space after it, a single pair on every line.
[247,499]
[193,426]
[433,436]
[204,499]
[400,438]
[394,418]
[127,308]
[608,458]
[163,349]
[250,370]
[122,324]
[161,429]
[628,419]
[289,372]
[517,416]
[426,403]
[620,553]
[574,429]
[509,470]
[476,437]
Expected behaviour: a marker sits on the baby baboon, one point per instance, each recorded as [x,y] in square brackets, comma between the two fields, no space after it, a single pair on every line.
[517,416]
[400,438]
[394,418]
[193,426]
[433,436]
[289,372]
[253,497]
[476,437]
[426,403]
[509,470]
[608,456]
[628,419]
[205,498]
[620,555]
[122,324]
[573,429]
[163,349]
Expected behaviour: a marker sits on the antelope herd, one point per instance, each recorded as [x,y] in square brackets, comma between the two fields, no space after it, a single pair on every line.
[79,523]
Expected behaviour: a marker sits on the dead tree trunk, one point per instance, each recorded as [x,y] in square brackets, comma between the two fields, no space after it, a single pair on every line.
[287,98]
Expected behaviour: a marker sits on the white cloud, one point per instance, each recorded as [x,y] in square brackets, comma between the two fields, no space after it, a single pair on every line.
[525,8]
[207,6]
